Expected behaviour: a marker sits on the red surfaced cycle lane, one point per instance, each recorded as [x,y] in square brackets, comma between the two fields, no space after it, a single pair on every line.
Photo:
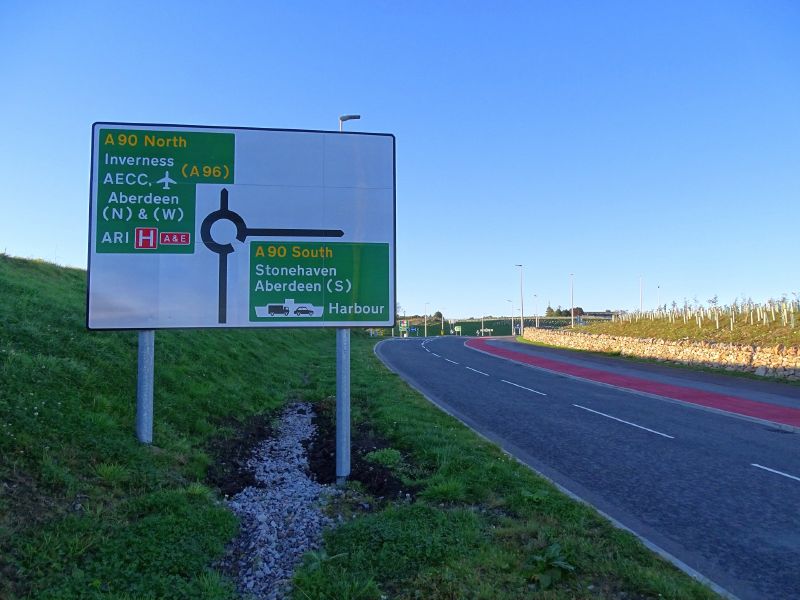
[731,404]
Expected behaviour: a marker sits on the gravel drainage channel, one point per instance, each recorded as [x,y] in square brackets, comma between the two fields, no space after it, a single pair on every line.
[280,512]
[277,477]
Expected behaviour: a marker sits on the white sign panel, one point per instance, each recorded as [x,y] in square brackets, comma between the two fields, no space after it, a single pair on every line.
[231,227]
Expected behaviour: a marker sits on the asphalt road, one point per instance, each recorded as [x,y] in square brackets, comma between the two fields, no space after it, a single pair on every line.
[718,493]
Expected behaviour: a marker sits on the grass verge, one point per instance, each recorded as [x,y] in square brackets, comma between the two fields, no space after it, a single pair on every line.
[771,334]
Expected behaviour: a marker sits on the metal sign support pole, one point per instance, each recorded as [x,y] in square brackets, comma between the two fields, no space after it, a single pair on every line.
[342,405]
[343,386]
[144,387]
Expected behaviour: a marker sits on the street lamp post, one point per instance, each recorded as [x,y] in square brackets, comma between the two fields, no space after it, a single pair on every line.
[426,319]
[442,313]
[512,315]
[536,310]
[521,304]
[343,386]
[572,299]
[344,118]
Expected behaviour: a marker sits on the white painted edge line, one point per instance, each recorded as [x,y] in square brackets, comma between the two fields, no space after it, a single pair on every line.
[523,387]
[668,556]
[597,412]
[436,355]
[426,350]
[476,370]
[451,361]
[775,471]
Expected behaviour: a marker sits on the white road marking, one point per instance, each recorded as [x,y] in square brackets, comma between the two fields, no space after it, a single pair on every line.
[452,361]
[436,355]
[774,471]
[523,387]
[476,370]
[426,350]
[597,412]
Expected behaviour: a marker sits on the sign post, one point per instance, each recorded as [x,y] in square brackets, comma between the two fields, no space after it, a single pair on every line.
[342,405]
[218,227]
[144,386]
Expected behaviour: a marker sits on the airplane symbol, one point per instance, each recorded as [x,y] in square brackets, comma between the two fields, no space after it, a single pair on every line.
[166,180]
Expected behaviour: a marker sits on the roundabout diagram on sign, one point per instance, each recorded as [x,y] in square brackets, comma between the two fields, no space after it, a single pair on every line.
[242,233]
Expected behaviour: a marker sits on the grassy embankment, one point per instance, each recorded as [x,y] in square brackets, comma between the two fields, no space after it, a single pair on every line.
[770,334]
[85,511]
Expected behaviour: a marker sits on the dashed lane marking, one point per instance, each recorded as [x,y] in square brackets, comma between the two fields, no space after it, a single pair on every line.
[476,370]
[775,471]
[597,412]
[523,387]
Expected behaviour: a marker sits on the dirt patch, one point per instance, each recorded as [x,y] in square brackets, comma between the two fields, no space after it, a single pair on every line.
[378,480]
[229,471]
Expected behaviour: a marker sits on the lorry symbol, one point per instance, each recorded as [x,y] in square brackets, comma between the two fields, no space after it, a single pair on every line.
[278,309]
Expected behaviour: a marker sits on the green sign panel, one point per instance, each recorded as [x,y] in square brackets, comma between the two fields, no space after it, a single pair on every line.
[146,186]
[319,281]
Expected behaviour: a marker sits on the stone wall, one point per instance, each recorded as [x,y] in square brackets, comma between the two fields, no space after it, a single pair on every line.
[772,361]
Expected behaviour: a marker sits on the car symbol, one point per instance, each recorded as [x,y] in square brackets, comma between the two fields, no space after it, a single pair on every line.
[303,310]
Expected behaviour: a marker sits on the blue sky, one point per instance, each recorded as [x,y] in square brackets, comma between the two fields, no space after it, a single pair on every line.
[612,140]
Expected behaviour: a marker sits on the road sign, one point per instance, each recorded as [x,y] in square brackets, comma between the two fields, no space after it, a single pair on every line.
[230,227]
